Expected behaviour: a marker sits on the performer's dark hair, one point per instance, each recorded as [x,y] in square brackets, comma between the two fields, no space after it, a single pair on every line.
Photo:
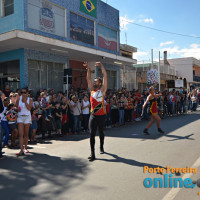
[99,79]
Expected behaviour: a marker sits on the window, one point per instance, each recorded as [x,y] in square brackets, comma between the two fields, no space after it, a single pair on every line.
[46,75]
[81,29]
[112,78]
[7,7]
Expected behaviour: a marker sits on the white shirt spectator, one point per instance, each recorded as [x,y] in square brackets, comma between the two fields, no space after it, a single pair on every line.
[86,111]
[76,109]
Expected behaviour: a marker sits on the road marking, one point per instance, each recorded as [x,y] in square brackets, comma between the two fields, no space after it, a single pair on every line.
[37,147]
[174,191]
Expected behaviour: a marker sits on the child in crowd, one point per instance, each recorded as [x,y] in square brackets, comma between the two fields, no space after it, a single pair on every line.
[34,125]
[44,105]
[11,116]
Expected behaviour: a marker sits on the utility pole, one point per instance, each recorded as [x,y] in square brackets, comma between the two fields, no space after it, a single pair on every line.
[159,70]
[151,58]
[126,37]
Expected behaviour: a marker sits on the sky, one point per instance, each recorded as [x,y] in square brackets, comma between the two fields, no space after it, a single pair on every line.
[177,16]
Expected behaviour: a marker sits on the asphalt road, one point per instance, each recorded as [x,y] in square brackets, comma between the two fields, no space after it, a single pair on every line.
[58,169]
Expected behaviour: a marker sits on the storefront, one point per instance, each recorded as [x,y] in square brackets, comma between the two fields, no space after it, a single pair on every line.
[42,38]
[10,74]
[46,75]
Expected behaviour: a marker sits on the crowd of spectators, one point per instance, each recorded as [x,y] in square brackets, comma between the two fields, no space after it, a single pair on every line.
[69,112]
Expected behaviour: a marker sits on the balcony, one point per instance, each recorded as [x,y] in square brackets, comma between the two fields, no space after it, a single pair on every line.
[164,69]
[196,78]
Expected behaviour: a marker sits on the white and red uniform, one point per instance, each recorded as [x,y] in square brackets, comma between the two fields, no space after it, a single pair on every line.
[97,103]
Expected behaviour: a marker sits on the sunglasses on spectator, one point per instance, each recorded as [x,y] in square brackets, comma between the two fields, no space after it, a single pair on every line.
[12,96]
[23,92]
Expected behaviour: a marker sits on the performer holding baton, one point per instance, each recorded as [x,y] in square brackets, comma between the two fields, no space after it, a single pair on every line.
[152,98]
[98,112]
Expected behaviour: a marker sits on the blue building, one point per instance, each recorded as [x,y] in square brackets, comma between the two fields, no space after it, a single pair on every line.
[40,38]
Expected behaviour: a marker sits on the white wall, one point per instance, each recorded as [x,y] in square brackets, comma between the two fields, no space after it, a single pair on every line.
[184,67]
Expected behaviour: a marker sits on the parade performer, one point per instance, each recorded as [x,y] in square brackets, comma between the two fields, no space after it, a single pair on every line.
[98,111]
[152,98]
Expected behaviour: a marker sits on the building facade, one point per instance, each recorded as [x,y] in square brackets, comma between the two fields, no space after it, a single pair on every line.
[167,74]
[40,38]
[188,68]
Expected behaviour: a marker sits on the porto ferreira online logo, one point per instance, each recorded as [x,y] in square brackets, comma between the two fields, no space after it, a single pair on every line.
[89,7]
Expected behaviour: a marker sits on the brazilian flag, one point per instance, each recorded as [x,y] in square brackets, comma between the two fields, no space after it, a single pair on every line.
[89,7]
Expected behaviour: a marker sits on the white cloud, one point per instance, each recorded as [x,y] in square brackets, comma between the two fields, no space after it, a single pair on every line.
[140,54]
[143,18]
[124,21]
[192,51]
[166,43]
[148,20]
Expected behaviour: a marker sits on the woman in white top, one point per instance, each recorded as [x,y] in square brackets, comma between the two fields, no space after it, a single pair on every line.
[86,112]
[194,102]
[24,105]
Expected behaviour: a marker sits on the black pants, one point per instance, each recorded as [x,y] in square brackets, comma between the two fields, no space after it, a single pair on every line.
[114,116]
[85,121]
[71,122]
[95,122]
[129,115]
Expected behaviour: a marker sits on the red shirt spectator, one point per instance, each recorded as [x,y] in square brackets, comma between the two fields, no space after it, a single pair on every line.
[199,95]
[108,108]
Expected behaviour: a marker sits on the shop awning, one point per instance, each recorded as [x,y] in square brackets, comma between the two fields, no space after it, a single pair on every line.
[18,39]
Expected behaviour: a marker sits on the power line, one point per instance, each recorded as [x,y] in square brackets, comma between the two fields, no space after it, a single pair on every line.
[155,29]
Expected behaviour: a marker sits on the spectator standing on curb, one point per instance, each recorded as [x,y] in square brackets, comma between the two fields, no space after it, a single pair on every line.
[24,105]
[86,112]
[76,107]
[121,106]
[4,122]
[108,110]
[1,134]
[58,118]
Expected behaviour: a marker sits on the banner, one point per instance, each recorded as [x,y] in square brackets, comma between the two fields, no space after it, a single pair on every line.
[81,29]
[89,7]
[107,38]
[178,83]
[152,76]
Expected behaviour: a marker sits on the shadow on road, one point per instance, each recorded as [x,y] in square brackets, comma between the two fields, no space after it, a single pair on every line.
[40,176]
[135,131]
[187,137]
[118,159]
